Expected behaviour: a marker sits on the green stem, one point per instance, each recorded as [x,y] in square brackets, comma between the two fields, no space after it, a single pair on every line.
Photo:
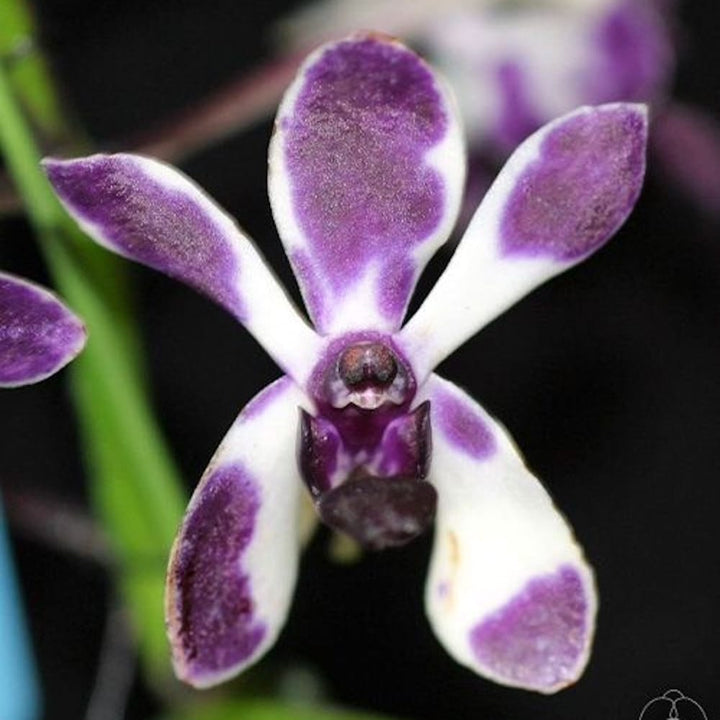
[134,484]
[27,70]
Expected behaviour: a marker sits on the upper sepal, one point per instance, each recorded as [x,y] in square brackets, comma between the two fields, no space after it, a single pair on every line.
[367,167]
[38,334]
[564,192]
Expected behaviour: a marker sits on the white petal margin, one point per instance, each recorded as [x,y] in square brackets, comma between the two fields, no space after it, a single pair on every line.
[234,563]
[153,214]
[509,593]
[562,194]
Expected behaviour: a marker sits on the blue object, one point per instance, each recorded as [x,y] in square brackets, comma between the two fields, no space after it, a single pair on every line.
[19,689]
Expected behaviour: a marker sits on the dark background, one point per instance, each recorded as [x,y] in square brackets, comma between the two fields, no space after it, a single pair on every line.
[608,378]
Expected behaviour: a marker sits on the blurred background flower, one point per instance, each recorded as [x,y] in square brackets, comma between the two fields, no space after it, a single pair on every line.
[608,379]
[514,64]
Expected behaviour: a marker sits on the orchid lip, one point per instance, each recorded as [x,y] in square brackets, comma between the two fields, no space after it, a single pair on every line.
[392,447]
[379,512]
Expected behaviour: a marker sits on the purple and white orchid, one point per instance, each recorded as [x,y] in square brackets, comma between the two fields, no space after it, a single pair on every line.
[366,177]
[38,334]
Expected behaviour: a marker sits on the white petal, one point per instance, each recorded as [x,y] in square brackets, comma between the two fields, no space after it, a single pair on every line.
[234,563]
[509,593]
[560,197]
[151,213]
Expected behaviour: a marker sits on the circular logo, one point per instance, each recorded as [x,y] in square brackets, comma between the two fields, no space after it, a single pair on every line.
[672,705]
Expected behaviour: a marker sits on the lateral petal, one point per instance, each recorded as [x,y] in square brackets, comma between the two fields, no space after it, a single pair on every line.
[509,593]
[150,212]
[367,167]
[38,333]
[233,567]
[560,197]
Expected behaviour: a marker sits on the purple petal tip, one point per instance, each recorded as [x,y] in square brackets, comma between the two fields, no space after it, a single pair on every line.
[147,211]
[212,620]
[585,180]
[462,427]
[38,334]
[540,639]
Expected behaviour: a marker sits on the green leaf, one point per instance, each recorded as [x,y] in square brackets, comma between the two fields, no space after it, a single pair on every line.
[28,70]
[133,482]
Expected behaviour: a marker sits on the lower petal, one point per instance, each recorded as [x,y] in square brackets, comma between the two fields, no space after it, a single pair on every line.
[234,563]
[509,592]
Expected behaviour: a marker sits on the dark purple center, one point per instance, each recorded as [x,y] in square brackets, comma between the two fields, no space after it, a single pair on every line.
[364,454]
[369,364]
[379,512]
[363,371]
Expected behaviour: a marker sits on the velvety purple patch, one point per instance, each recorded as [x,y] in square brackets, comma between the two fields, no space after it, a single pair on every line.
[538,638]
[363,122]
[311,287]
[580,189]
[151,223]
[517,119]
[213,610]
[396,284]
[260,402]
[461,425]
[635,54]
[38,334]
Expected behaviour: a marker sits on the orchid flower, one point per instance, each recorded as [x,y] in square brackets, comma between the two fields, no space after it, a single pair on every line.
[365,181]
[38,334]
